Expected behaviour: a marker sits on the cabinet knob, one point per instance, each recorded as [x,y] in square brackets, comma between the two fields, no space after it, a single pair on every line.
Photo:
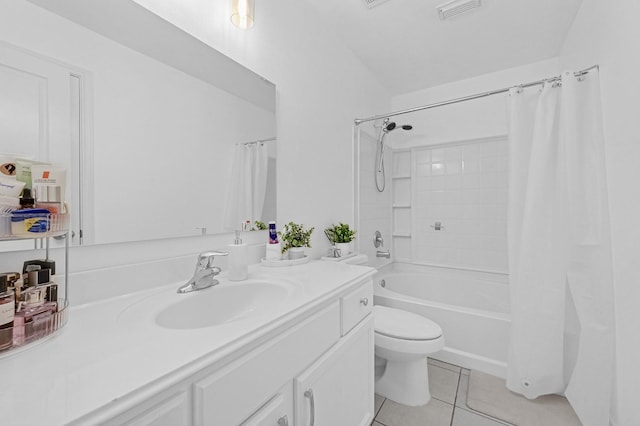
[283,421]
[364,301]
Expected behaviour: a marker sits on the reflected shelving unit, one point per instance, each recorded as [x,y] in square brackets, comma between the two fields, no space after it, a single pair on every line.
[41,325]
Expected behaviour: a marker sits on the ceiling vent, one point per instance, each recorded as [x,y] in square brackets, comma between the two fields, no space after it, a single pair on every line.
[456,7]
[373,3]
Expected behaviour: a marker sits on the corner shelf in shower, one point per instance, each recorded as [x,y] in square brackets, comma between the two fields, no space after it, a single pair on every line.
[402,204]
[40,326]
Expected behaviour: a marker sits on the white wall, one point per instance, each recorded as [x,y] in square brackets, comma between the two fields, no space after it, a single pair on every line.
[607,33]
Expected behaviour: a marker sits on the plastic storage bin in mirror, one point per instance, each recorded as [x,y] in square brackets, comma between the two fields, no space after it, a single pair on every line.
[32,223]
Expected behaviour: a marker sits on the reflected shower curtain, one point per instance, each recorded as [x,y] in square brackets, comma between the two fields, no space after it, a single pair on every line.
[560,274]
[248,185]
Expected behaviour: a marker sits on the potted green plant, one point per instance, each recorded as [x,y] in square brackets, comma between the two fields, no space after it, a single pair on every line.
[294,237]
[341,235]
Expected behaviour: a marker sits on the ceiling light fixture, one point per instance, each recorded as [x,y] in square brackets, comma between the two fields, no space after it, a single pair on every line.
[243,13]
[457,7]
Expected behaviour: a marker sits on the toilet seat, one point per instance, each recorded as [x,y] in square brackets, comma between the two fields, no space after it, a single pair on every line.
[399,324]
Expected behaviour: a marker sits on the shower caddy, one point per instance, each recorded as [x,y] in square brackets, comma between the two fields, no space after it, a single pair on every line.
[41,329]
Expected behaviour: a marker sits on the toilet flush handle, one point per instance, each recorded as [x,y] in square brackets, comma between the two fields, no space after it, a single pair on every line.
[364,301]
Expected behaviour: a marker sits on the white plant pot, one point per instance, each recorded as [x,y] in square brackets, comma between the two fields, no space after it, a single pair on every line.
[345,248]
[295,253]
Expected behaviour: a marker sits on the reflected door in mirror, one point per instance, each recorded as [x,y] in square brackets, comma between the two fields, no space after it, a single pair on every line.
[36,114]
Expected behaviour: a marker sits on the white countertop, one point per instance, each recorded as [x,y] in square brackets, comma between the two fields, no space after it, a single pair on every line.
[112,348]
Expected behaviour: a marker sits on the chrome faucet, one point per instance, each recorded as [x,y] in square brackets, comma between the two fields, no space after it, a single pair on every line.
[204,275]
[380,253]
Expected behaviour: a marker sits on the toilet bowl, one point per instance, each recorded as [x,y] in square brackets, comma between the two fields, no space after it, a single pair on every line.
[403,340]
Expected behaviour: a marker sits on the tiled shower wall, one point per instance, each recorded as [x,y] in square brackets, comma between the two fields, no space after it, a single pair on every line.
[463,188]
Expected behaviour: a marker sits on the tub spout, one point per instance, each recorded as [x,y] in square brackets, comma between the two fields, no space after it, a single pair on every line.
[386,254]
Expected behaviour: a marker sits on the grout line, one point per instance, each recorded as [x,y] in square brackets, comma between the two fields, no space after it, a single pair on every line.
[486,416]
[463,407]
[379,409]
[455,400]
[441,400]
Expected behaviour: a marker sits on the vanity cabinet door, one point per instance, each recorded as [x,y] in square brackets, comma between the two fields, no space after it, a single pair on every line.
[338,388]
[235,393]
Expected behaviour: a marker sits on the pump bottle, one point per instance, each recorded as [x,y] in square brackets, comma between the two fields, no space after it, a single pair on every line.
[238,264]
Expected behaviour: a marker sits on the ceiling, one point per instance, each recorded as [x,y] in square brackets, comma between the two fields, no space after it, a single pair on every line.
[407,47]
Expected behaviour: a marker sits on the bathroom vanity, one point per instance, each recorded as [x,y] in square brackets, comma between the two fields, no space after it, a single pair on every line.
[289,346]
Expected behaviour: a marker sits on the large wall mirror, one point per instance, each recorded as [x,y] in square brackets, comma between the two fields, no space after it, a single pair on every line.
[161,125]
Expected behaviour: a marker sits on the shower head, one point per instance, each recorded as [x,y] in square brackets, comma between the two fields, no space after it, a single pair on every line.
[386,128]
[392,126]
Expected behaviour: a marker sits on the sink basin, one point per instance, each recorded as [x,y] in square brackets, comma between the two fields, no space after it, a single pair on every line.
[222,304]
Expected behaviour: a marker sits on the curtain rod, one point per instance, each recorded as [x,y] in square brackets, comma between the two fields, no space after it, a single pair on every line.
[256,141]
[359,121]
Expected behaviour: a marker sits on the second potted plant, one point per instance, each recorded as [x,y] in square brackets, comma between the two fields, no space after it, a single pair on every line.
[341,235]
[294,237]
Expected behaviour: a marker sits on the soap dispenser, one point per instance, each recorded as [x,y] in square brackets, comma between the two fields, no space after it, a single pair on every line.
[238,265]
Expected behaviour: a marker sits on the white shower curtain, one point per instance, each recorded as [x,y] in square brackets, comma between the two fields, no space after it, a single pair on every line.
[248,185]
[560,276]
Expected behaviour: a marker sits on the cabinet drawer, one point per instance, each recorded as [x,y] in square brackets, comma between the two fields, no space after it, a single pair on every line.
[356,305]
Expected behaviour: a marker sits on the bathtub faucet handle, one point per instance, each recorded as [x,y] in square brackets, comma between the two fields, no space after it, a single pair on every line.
[378,241]
[364,301]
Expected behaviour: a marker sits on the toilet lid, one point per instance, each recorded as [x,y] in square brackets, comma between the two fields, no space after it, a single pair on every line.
[401,324]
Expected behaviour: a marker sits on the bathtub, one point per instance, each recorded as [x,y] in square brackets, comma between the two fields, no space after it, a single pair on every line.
[471,307]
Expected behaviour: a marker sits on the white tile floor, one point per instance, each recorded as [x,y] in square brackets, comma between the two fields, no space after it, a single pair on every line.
[448,384]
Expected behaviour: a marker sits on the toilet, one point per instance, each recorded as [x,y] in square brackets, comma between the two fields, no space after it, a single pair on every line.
[403,340]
